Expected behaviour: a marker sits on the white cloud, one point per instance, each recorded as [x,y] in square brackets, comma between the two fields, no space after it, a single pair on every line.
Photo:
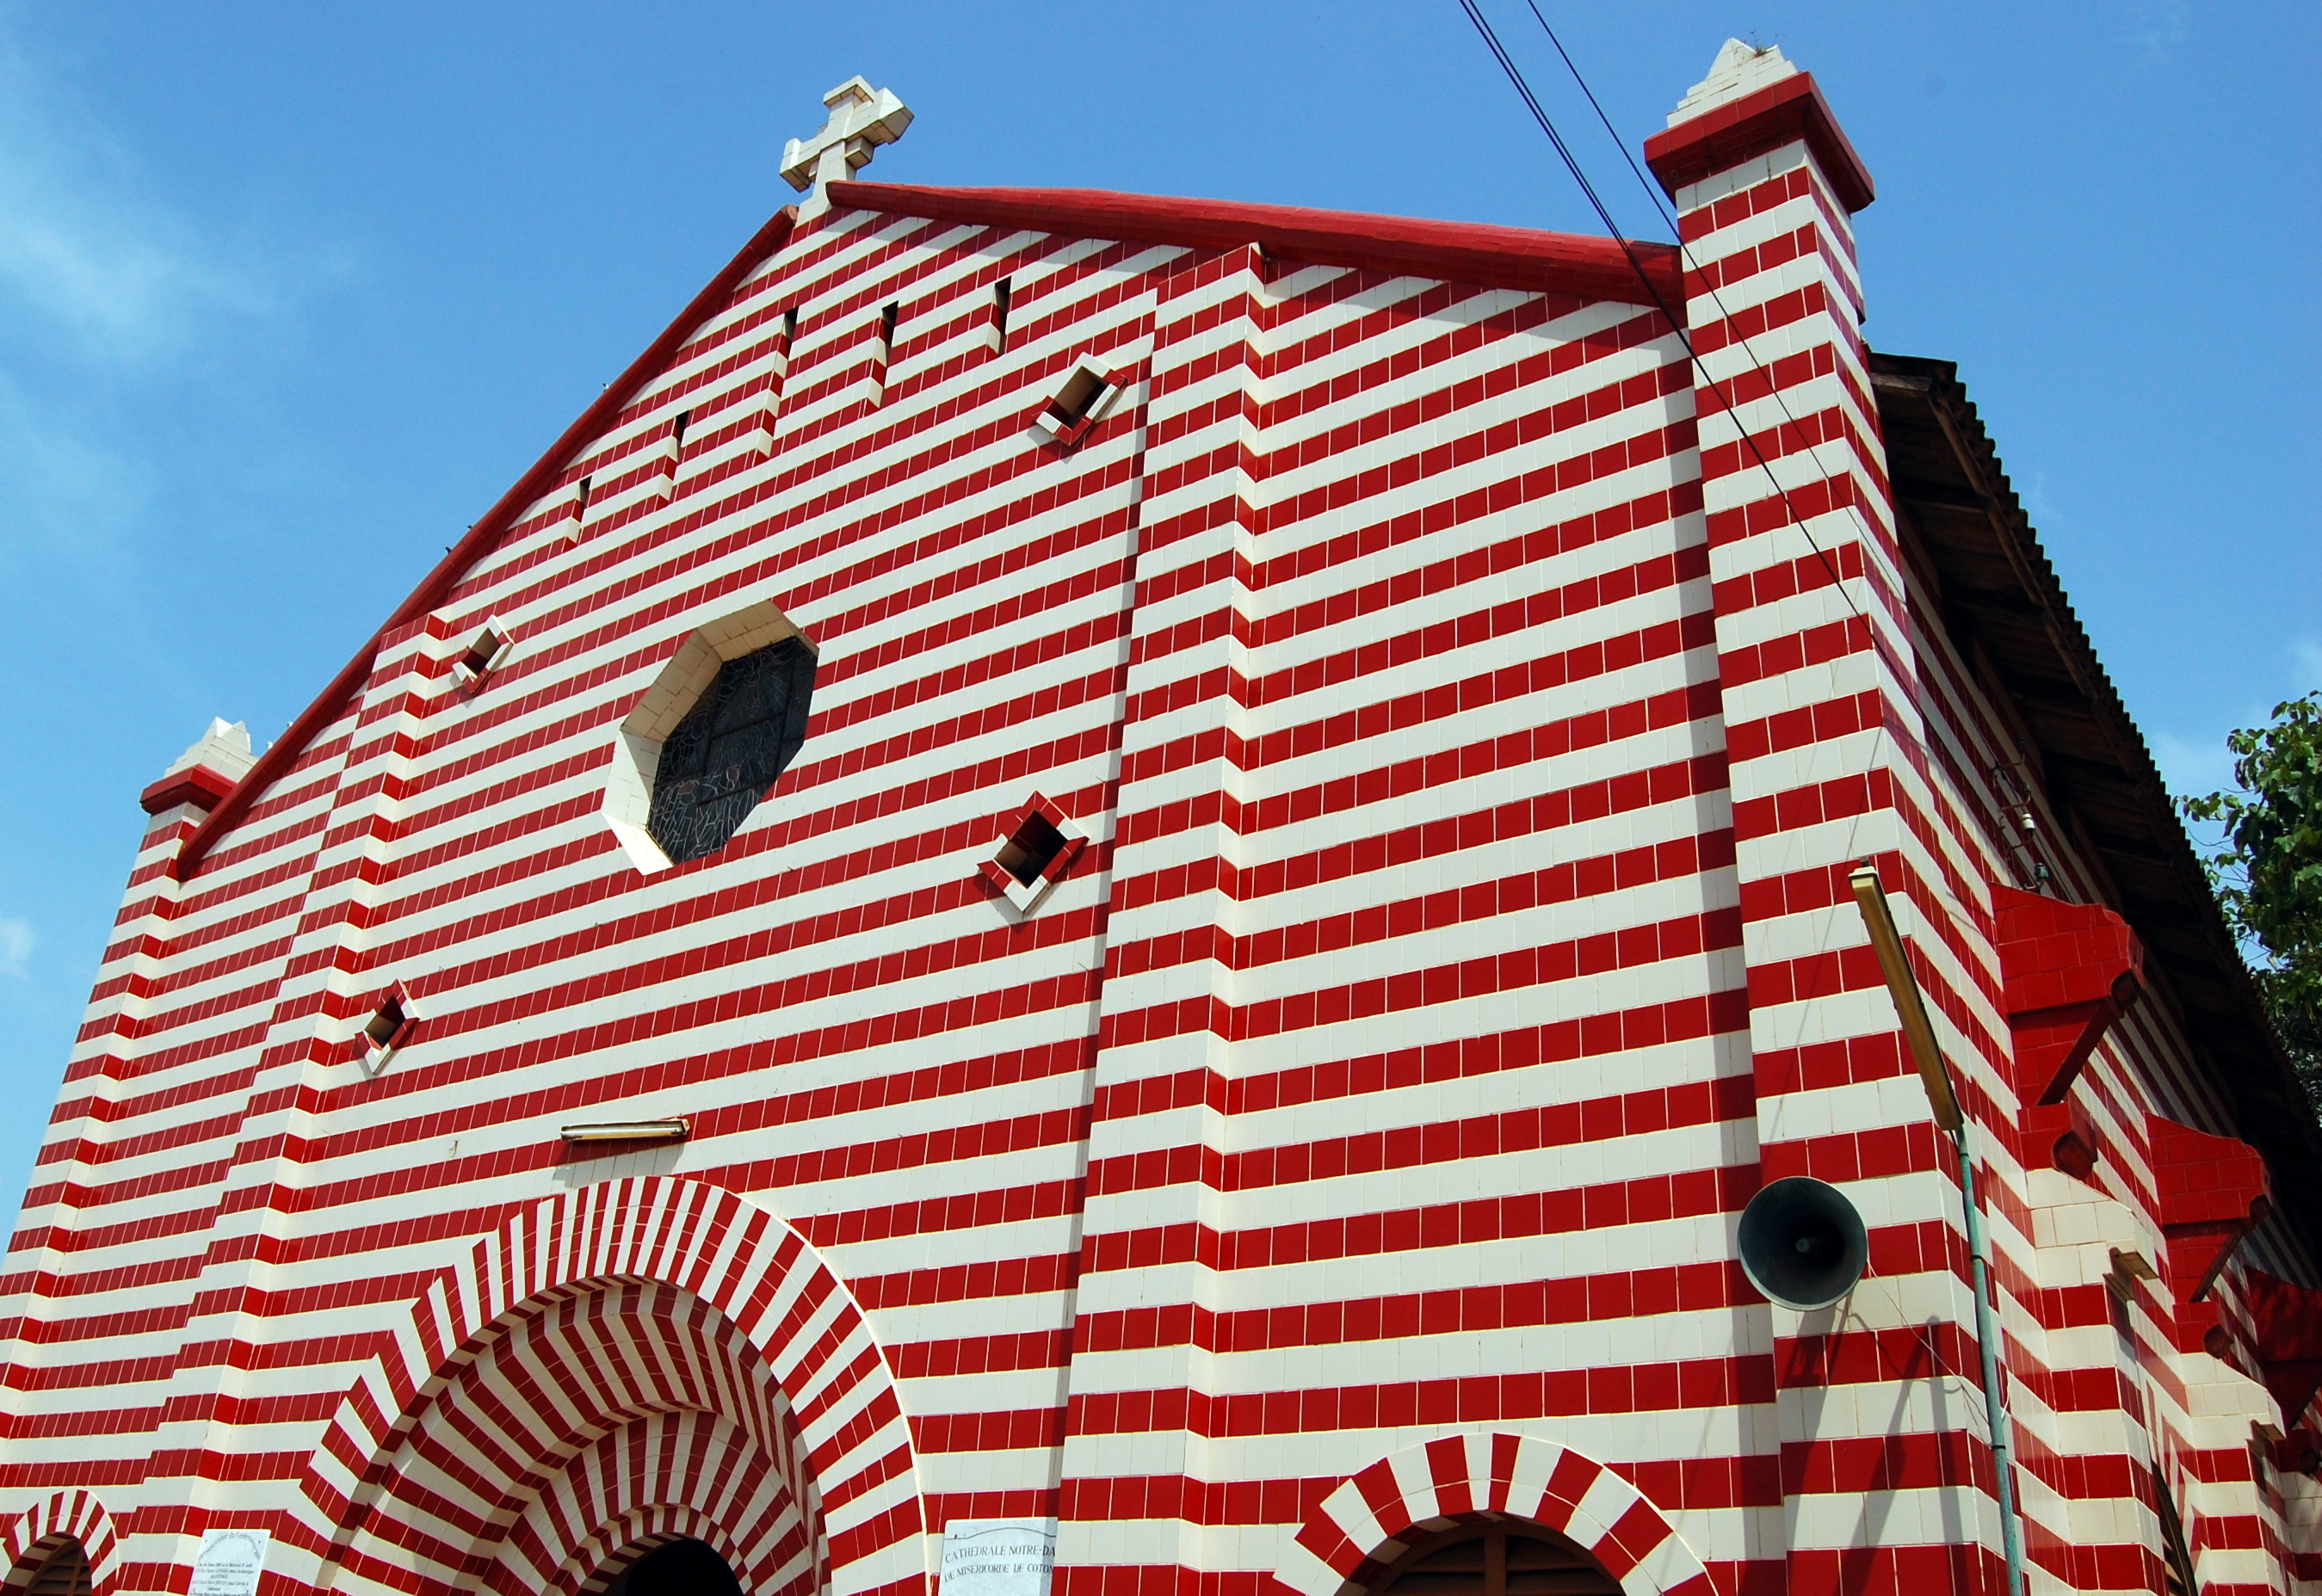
[60,489]
[16,948]
[113,302]
[2156,25]
[84,252]
[2192,767]
[2306,666]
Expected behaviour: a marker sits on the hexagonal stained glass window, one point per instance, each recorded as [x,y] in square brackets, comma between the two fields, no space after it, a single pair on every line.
[724,756]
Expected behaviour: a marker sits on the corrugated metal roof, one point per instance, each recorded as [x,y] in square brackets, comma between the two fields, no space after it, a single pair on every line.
[1995,584]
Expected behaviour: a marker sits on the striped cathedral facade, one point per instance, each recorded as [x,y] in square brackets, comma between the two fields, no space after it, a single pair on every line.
[1451,672]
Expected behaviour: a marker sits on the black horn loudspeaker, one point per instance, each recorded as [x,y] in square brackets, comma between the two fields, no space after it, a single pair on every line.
[1803,1244]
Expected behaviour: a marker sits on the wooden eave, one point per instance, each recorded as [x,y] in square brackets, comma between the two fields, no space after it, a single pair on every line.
[1996,586]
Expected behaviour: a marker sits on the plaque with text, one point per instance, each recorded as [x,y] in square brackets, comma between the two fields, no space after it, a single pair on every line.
[998,1556]
[229,1562]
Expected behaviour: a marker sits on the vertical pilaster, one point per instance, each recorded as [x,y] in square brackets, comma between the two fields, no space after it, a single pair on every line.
[1137,1479]
[322,995]
[104,1068]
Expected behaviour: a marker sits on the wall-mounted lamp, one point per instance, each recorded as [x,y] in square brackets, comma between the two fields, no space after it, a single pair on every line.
[628,1130]
[1886,943]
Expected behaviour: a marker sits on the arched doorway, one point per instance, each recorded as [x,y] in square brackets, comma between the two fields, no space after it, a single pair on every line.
[59,1567]
[572,1402]
[678,1568]
[1496,1559]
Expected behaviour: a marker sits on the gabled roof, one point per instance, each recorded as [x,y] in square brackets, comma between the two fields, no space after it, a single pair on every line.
[1994,581]
[1459,251]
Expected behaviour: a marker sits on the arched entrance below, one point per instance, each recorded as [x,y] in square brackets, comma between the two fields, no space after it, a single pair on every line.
[1414,1500]
[677,1568]
[618,1366]
[1494,1559]
[53,1566]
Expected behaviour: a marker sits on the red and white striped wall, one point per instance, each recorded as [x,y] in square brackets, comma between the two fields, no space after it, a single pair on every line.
[1474,689]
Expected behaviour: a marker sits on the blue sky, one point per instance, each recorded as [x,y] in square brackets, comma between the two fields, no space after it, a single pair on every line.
[289,294]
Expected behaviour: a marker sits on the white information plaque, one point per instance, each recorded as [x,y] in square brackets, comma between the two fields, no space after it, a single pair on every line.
[998,1556]
[228,1563]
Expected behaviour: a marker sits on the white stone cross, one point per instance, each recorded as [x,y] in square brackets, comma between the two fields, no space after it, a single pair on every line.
[861,119]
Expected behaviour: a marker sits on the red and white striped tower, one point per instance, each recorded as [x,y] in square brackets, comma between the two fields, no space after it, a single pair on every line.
[1818,685]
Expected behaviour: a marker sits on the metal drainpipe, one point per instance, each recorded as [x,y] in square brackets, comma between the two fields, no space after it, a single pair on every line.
[1995,1411]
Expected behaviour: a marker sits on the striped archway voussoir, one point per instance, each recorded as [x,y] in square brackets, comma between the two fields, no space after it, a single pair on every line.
[743,1259]
[1366,1523]
[77,1514]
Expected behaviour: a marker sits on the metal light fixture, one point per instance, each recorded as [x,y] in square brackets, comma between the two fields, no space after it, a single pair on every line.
[628,1130]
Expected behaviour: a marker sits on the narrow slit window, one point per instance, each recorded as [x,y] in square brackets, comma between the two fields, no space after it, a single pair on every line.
[881,357]
[673,460]
[777,372]
[580,510]
[1001,291]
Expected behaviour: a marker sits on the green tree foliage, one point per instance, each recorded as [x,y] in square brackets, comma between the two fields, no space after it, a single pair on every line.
[2268,877]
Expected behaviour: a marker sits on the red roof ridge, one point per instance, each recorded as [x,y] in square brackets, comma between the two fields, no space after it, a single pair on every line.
[1583,265]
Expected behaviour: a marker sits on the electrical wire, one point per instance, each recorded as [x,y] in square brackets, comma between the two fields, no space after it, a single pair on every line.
[1491,38]
[1652,190]
[1654,196]
[1539,114]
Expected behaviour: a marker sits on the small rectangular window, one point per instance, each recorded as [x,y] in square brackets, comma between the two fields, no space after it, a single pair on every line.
[479,657]
[1034,850]
[1087,393]
[1079,395]
[390,1023]
[484,652]
[386,1022]
[1032,847]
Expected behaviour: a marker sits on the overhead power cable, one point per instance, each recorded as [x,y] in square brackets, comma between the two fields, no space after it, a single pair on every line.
[1653,197]
[1676,323]
[1653,190]
[1653,194]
